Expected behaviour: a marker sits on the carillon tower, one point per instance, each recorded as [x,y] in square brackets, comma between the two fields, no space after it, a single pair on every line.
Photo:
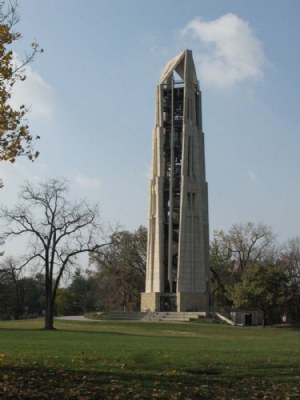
[177,274]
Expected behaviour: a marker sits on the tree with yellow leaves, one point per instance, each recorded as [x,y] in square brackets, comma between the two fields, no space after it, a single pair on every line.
[15,137]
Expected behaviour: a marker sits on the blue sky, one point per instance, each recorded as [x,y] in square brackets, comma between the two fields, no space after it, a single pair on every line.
[92,95]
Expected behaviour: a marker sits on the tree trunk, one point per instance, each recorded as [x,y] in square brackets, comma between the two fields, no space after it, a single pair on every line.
[48,312]
[263,322]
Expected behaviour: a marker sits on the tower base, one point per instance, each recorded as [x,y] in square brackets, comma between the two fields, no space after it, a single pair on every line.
[174,302]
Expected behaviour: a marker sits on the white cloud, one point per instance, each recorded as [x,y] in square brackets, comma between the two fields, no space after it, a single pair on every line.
[16,173]
[84,181]
[13,177]
[34,93]
[252,176]
[226,50]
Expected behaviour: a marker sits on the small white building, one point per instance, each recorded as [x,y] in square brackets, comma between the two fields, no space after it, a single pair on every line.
[246,317]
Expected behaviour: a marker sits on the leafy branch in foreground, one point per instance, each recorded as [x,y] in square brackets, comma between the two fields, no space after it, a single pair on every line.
[15,137]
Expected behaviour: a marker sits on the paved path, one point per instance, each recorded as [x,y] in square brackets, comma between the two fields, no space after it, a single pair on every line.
[75,318]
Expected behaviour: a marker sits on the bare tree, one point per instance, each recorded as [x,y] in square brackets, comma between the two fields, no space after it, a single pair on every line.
[58,231]
[291,258]
[222,273]
[232,252]
[247,243]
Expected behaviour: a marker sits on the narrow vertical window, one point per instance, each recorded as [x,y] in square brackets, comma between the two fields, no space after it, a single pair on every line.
[189,157]
[190,114]
[193,200]
[190,161]
[189,200]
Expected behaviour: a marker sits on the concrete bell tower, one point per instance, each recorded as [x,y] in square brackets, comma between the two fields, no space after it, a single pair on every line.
[177,274]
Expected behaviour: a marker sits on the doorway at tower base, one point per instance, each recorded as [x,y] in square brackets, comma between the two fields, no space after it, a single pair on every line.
[174,302]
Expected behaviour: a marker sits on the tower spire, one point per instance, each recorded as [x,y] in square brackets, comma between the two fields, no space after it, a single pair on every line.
[177,273]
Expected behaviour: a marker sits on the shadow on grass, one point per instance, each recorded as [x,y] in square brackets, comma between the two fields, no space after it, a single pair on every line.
[42,383]
[38,382]
[57,330]
[295,327]
[60,330]
[204,371]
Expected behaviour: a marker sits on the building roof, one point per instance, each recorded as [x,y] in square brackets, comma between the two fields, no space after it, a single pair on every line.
[179,64]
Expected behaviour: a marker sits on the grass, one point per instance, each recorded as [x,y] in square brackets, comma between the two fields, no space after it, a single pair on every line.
[144,360]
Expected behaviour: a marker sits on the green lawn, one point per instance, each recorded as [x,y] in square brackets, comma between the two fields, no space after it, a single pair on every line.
[136,360]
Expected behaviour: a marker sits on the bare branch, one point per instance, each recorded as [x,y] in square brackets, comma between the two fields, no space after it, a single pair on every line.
[58,231]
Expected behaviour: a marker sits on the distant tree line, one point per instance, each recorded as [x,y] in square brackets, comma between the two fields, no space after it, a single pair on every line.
[249,270]
[113,282]
[20,296]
